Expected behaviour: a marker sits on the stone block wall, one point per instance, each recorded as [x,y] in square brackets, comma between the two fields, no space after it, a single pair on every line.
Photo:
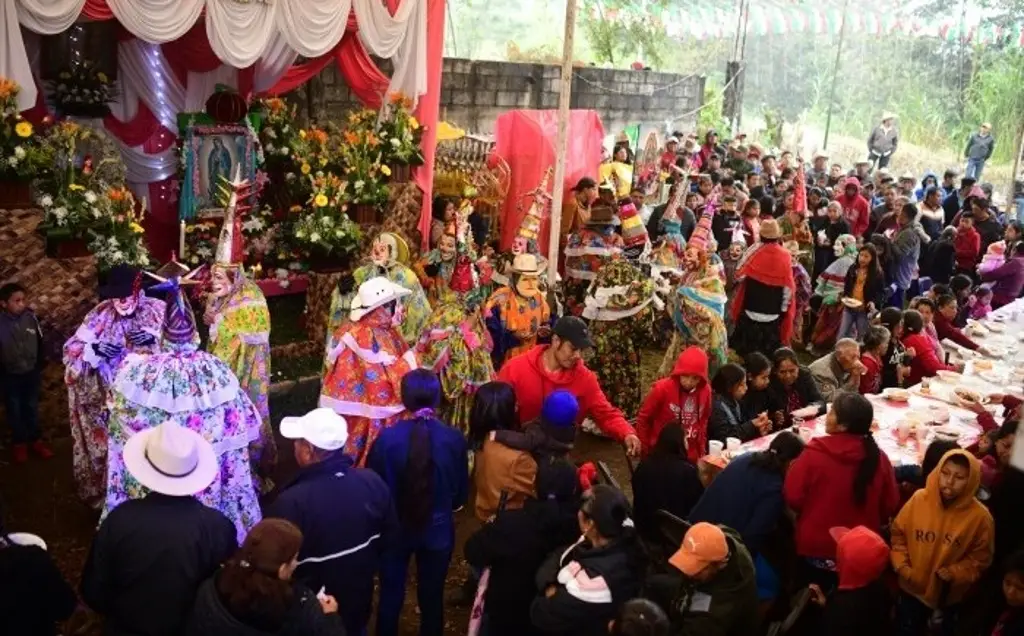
[475,93]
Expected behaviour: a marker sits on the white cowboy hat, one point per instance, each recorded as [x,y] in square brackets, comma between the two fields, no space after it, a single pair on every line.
[26,539]
[372,294]
[321,427]
[526,264]
[171,459]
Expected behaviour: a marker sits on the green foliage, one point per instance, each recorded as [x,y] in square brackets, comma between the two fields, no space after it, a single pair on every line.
[994,95]
[622,31]
[710,115]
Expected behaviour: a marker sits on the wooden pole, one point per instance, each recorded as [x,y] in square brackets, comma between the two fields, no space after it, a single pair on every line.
[561,140]
[835,75]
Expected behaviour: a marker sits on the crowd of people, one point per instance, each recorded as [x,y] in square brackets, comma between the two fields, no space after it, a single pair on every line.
[778,293]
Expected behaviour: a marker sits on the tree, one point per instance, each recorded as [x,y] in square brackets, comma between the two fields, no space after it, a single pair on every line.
[621,31]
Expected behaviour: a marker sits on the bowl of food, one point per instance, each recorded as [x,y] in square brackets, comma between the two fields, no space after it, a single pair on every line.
[966,397]
[895,394]
[937,413]
[982,365]
[946,433]
[949,376]
[852,303]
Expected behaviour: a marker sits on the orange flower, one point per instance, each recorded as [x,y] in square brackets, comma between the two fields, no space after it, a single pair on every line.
[8,88]
[115,194]
[396,98]
[372,140]
[318,135]
[351,138]
[275,105]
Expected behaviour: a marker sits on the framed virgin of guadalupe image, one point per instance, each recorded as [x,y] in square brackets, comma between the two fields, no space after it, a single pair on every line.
[210,153]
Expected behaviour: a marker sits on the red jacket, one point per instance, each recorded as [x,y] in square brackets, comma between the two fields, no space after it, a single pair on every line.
[945,329]
[855,208]
[819,488]
[532,383]
[925,363]
[667,403]
[968,246]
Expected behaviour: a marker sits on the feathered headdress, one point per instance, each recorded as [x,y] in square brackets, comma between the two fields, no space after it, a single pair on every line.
[229,246]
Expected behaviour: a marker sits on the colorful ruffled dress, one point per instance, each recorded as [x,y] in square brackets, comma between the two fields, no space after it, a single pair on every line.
[513,321]
[698,314]
[415,305]
[366,361]
[831,285]
[198,391]
[621,307]
[240,337]
[586,252]
[88,378]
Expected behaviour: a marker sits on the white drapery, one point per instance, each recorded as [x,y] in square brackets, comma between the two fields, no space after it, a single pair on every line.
[240,33]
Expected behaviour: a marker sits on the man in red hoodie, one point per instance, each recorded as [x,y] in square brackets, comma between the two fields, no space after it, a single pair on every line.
[683,399]
[855,207]
[545,368]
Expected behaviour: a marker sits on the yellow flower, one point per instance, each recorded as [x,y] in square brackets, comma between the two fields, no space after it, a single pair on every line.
[413,122]
[295,209]
[320,201]
[75,187]
[136,228]
[23,129]
[323,161]
[386,170]
[302,134]
[305,168]
[102,77]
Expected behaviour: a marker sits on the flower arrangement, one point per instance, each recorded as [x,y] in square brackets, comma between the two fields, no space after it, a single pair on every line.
[72,209]
[401,132]
[361,154]
[278,134]
[118,237]
[323,225]
[83,90]
[22,157]
[201,241]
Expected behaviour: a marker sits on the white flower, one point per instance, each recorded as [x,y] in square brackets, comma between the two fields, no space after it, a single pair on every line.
[395,142]
[315,237]
[271,134]
[19,152]
[268,148]
[117,256]
[12,161]
[339,232]
[46,200]
[285,150]
[359,185]
[112,242]
[299,234]
[90,196]
[96,213]
[285,128]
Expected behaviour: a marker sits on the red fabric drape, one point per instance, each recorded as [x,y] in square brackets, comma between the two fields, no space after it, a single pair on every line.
[97,10]
[366,81]
[299,74]
[134,132]
[191,52]
[427,111]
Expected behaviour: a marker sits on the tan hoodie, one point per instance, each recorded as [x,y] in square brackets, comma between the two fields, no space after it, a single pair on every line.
[928,536]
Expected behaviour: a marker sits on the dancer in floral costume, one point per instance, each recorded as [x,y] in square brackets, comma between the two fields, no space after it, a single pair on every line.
[516,315]
[698,304]
[621,306]
[455,344]
[830,287]
[389,257]
[239,323]
[367,358]
[587,251]
[126,321]
[196,390]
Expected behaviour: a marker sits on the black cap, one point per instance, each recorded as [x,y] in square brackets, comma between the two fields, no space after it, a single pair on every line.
[120,282]
[574,330]
[584,183]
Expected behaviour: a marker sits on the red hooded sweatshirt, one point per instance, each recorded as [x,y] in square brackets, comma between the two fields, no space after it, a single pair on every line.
[819,488]
[855,209]
[532,382]
[968,247]
[925,363]
[668,403]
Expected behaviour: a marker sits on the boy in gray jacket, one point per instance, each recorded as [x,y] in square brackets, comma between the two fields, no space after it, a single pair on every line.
[21,360]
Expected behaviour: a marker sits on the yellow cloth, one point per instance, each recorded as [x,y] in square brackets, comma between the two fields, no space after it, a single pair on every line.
[624,174]
[928,536]
[858,285]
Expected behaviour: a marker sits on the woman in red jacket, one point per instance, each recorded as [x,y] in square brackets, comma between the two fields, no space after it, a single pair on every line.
[840,480]
[683,399]
[925,363]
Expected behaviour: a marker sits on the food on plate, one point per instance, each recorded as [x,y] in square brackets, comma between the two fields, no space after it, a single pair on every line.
[938,413]
[967,396]
[982,365]
[852,303]
[996,327]
[949,376]
[896,395]
[947,433]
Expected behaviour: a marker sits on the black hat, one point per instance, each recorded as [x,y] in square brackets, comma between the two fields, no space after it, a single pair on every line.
[120,282]
[585,183]
[575,331]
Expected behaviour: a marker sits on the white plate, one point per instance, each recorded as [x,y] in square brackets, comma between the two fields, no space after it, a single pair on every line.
[896,395]
[852,303]
[996,327]
[949,376]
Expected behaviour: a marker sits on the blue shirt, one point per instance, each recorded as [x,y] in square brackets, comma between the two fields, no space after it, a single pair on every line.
[388,458]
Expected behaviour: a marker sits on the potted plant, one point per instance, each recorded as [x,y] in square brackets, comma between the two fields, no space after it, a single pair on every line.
[118,238]
[22,156]
[83,90]
[323,227]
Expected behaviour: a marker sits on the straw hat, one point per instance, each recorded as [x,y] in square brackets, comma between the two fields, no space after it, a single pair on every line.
[171,460]
[770,229]
[526,264]
[374,293]
[792,247]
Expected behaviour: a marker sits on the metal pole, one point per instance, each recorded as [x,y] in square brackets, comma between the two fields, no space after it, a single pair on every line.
[835,75]
[561,140]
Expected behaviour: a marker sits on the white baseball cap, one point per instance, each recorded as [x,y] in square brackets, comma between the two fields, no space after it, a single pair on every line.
[321,427]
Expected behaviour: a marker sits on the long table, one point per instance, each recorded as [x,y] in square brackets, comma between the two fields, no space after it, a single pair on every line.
[922,408]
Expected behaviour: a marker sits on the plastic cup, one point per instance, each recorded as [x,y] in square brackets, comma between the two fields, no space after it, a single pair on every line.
[715,448]
[733,443]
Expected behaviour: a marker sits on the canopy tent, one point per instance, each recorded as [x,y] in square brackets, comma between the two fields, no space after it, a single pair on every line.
[170,62]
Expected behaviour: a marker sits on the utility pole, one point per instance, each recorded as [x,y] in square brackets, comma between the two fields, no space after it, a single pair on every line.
[835,74]
[561,139]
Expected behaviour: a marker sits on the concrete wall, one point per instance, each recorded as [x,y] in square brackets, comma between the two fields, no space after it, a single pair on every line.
[474,93]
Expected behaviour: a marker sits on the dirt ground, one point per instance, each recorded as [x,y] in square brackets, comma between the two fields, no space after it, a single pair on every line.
[39,497]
